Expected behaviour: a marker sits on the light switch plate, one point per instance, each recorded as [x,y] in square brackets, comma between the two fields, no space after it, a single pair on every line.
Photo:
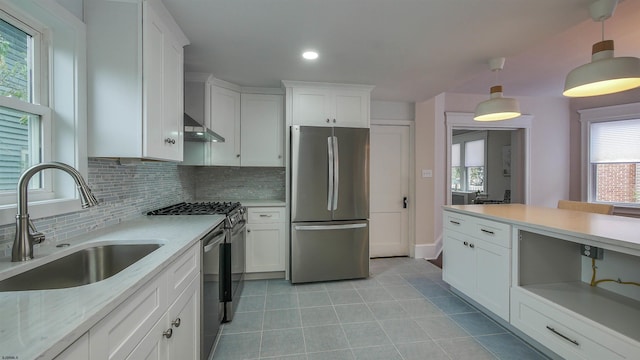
[427,173]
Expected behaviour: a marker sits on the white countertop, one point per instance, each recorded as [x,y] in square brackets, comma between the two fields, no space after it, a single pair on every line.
[40,324]
[618,231]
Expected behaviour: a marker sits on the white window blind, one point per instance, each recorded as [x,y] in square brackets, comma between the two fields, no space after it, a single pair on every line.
[455,155]
[474,153]
[615,142]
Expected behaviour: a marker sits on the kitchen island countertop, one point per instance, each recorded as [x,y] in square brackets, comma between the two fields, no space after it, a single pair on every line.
[40,324]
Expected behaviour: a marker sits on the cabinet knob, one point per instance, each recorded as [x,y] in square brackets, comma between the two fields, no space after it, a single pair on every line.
[328,120]
[176,322]
[238,155]
[170,141]
[334,120]
[248,230]
[168,333]
[466,243]
[471,245]
[279,156]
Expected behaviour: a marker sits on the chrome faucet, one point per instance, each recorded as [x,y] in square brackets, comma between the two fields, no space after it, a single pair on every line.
[26,233]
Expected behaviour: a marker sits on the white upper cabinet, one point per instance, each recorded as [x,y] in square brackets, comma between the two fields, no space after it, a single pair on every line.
[135,80]
[261,134]
[324,104]
[224,115]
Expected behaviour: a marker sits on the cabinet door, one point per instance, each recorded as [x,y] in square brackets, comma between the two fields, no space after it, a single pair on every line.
[162,94]
[261,133]
[184,318]
[351,108]
[459,262]
[265,247]
[79,350]
[312,106]
[492,277]
[224,113]
[154,345]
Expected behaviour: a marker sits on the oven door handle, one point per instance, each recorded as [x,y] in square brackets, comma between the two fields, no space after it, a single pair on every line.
[239,227]
[217,237]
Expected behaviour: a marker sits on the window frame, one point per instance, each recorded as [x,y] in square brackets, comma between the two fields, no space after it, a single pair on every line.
[597,115]
[462,139]
[63,48]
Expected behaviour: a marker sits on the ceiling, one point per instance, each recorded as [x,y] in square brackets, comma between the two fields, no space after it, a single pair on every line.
[411,50]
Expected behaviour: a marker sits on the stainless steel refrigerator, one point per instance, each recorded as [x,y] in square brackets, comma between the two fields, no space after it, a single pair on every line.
[329,203]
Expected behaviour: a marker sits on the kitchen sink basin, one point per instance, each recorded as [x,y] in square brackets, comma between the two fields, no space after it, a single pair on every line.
[82,267]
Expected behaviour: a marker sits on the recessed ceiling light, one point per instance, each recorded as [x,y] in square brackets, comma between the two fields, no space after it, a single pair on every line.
[310,55]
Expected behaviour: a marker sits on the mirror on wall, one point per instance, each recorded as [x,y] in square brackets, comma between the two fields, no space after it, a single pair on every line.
[487,163]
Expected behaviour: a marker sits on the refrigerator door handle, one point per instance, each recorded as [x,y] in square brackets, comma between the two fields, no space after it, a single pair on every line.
[330,164]
[336,173]
[330,227]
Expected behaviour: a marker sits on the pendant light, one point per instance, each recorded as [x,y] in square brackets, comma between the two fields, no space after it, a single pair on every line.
[605,74]
[497,107]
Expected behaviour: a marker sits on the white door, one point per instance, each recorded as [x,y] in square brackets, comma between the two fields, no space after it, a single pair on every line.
[389,218]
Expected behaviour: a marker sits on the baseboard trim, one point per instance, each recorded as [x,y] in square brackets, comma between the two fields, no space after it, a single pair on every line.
[428,251]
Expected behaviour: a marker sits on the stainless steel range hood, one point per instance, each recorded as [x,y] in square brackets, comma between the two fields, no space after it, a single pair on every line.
[196,132]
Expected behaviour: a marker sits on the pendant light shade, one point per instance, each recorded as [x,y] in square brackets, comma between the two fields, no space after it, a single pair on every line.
[497,107]
[605,74]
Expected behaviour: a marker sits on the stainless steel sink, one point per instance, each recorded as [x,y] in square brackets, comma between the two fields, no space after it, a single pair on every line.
[82,267]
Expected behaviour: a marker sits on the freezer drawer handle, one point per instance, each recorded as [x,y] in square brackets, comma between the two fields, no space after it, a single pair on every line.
[330,227]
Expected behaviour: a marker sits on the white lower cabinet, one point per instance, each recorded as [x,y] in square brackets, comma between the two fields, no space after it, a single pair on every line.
[477,260]
[79,350]
[153,324]
[266,239]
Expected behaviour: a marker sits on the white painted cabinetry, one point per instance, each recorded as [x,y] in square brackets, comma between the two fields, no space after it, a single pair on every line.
[262,134]
[224,114]
[323,104]
[135,80]
[266,239]
[477,260]
[159,321]
[79,350]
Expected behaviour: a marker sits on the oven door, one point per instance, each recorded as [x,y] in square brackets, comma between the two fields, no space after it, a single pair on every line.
[211,307]
[234,265]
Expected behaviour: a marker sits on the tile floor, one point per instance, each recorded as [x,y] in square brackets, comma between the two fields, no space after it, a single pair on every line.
[404,311]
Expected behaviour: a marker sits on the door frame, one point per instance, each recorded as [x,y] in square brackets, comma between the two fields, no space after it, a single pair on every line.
[412,181]
[463,120]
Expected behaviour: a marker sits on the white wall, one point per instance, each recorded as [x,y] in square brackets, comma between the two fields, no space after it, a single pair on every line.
[73,6]
[392,110]
[549,167]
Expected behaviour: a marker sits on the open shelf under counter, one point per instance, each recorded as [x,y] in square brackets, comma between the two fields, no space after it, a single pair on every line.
[611,310]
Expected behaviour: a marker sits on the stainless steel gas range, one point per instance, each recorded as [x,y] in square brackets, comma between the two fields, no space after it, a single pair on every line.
[230,264]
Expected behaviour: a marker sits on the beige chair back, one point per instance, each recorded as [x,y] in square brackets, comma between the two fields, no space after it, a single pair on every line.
[586,207]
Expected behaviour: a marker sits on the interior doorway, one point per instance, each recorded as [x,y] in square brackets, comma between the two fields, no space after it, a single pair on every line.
[487,160]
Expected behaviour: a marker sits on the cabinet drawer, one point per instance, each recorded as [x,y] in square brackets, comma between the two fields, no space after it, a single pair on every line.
[494,232]
[565,334]
[118,334]
[266,215]
[458,222]
[182,270]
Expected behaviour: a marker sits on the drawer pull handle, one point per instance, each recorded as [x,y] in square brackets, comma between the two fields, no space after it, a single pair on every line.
[563,336]
[454,222]
[471,245]
[265,215]
[176,322]
[168,333]
[487,231]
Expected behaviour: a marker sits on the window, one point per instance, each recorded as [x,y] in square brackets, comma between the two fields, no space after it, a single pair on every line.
[612,154]
[20,114]
[468,166]
[42,52]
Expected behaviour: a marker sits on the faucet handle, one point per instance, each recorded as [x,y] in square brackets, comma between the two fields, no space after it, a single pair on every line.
[36,235]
